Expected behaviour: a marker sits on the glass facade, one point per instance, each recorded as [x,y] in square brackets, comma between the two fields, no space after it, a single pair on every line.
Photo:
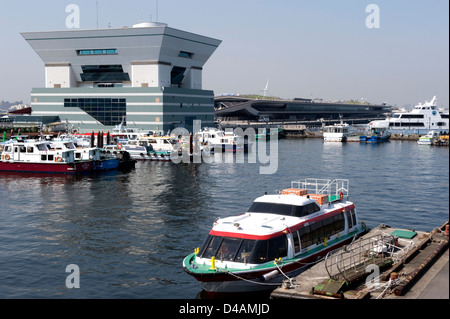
[109,112]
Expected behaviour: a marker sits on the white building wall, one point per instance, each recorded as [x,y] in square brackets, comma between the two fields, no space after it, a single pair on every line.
[59,76]
[193,79]
[150,74]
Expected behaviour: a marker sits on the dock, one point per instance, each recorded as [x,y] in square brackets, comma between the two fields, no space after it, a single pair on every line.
[385,263]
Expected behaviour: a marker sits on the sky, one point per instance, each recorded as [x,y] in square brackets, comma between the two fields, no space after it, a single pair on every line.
[304,48]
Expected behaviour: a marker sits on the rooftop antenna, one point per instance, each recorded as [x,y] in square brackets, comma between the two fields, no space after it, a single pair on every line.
[97,13]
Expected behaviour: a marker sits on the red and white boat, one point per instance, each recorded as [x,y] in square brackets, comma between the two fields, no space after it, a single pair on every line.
[277,238]
[39,156]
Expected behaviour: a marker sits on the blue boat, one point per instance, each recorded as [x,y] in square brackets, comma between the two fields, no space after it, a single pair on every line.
[379,135]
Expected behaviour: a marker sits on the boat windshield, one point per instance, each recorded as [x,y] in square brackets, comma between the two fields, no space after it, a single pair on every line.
[244,250]
[284,209]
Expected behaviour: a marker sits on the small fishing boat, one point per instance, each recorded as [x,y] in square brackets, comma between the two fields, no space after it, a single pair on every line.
[39,156]
[378,133]
[277,238]
[338,132]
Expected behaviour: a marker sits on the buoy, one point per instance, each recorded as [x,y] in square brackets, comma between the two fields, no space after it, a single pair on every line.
[446,230]
[394,276]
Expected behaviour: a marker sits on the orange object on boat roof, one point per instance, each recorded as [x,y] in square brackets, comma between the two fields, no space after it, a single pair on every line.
[295,191]
[321,199]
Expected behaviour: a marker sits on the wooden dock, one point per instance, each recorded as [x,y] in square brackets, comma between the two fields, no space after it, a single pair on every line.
[385,263]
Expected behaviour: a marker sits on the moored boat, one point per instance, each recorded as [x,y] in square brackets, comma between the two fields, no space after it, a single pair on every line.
[277,238]
[211,138]
[420,120]
[429,138]
[339,132]
[379,133]
[39,156]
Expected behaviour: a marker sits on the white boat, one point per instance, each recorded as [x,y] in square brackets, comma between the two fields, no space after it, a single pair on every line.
[165,145]
[277,238]
[212,138]
[40,157]
[102,160]
[422,119]
[136,152]
[339,132]
[429,138]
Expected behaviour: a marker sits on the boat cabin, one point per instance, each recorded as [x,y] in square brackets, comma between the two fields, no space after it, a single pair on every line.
[278,226]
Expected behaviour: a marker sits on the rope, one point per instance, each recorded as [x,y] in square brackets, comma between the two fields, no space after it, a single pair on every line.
[251,281]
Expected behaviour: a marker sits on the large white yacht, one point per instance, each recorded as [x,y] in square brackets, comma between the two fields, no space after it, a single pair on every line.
[422,119]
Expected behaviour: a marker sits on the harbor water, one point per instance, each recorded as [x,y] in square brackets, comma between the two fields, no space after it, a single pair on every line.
[128,232]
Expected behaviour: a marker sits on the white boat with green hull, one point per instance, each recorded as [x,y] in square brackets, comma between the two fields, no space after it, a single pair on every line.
[277,238]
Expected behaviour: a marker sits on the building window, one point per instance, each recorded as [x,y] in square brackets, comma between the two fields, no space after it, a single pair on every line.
[104,73]
[184,54]
[177,75]
[109,112]
[97,52]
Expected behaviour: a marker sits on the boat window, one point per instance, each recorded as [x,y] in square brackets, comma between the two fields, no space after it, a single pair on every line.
[268,250]
[41,147]
[305,237]
[317,232]
[245,251]
[8,149]
[43,157]
[296,242]
[23,149]
[211,245]
[349,220]
[279,209]
[284,209]
[50,157]
[30,149]
[228,249]
[277,247]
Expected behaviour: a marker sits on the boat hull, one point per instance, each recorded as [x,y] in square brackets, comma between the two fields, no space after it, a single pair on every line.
[60,168]
[109,164]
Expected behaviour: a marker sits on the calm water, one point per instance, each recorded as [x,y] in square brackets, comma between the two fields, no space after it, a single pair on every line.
[129,232]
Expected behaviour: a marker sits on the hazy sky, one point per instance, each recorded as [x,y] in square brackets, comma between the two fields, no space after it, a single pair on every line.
[315,48]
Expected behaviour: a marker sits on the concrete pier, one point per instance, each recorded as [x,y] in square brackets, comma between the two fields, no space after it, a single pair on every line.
[411,265]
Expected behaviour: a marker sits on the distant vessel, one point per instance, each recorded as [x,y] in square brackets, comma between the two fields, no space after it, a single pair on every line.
[378,134]
[212,138]
[337,132]
[429,138]
[422,119]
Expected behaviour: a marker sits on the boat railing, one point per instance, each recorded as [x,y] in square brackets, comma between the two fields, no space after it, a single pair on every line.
[333,188]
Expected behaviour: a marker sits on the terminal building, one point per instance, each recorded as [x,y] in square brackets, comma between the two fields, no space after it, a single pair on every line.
[149,74]
[245,108]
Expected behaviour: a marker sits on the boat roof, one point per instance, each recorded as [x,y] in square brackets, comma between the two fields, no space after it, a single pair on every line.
[261,226]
